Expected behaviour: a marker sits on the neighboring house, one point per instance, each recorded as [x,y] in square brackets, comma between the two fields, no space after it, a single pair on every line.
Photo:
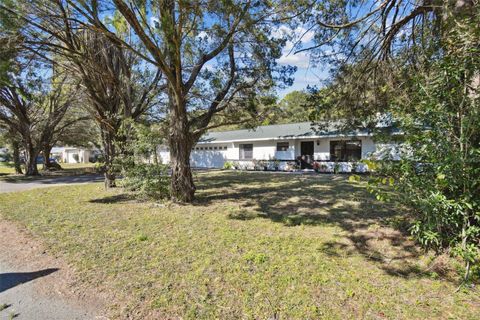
[283,145]
[71,154]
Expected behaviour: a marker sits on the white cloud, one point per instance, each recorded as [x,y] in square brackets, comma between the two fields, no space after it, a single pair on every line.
[299,37]
[299,34]
[306,36]
[202,34]
[301,60]
[154,23]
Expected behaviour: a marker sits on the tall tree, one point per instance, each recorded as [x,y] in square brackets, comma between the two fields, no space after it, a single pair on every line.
[417,65]
[8,137]
[34,115]
[117,85]
[293,107]
[216,57]
[60,116]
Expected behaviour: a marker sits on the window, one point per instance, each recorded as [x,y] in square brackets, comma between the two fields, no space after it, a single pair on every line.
[246,151]
[282,146]
[214,148]
[350,150]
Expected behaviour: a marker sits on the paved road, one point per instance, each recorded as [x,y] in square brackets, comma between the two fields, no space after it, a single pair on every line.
[29,279]
[20,185]
[19,297]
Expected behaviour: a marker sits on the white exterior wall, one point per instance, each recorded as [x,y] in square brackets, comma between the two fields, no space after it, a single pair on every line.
[263,150]
[163,154]
[208,158]
[68,155]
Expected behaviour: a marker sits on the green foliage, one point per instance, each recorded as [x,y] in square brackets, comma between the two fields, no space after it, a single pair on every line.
[228,165]
[149,180]
[139,163]
[294,107]
[439,174]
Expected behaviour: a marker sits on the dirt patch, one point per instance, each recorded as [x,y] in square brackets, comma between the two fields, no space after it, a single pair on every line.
[54,278]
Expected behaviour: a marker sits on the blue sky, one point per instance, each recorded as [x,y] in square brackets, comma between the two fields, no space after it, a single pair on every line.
[307,74]
[304,77]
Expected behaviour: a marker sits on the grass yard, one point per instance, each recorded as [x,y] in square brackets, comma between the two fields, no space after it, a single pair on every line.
[7,171]
[253,246]
[6,168]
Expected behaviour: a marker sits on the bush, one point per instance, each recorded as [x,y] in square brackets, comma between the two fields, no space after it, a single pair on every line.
[438,175]
[99,167]
[148,180]
[228,165]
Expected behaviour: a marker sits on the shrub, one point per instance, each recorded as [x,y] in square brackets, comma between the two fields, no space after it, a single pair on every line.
[228,165]
[148,180]
[438,175]
[99,167]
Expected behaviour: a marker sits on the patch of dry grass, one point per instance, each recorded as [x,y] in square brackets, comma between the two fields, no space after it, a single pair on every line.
[253,245]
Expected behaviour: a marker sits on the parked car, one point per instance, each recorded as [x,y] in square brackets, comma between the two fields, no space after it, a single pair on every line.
[41,160]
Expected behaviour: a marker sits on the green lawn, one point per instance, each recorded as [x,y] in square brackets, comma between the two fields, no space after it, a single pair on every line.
[7,171]
[6,168]
[253,246]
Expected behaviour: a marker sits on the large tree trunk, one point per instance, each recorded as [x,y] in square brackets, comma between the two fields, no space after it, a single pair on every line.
[182,186]
[46,157]
[16,157]
[110,153]
[31,160]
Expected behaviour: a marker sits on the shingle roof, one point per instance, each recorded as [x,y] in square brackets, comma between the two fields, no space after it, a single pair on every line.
[278,131]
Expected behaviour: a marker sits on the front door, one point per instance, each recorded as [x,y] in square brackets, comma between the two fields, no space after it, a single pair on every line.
[306,151]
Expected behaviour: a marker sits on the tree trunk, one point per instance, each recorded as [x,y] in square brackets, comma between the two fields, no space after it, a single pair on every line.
[31,160]
[16,157]
[182,186]
[46,157]
[109,152]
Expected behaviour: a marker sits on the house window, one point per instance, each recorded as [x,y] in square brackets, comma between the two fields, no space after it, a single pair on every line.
[246,151]
[214,148]
[282,146]
[350,150]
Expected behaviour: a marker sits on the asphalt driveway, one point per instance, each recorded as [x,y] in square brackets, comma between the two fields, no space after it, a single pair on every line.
[42,182]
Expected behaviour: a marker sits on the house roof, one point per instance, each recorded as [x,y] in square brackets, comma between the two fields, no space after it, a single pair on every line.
[281,131]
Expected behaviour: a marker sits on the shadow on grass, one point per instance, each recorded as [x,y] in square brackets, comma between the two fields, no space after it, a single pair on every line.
[373,229]
[118,198]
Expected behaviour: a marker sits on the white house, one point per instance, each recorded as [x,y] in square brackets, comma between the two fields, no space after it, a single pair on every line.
[282,146]
[71,154]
